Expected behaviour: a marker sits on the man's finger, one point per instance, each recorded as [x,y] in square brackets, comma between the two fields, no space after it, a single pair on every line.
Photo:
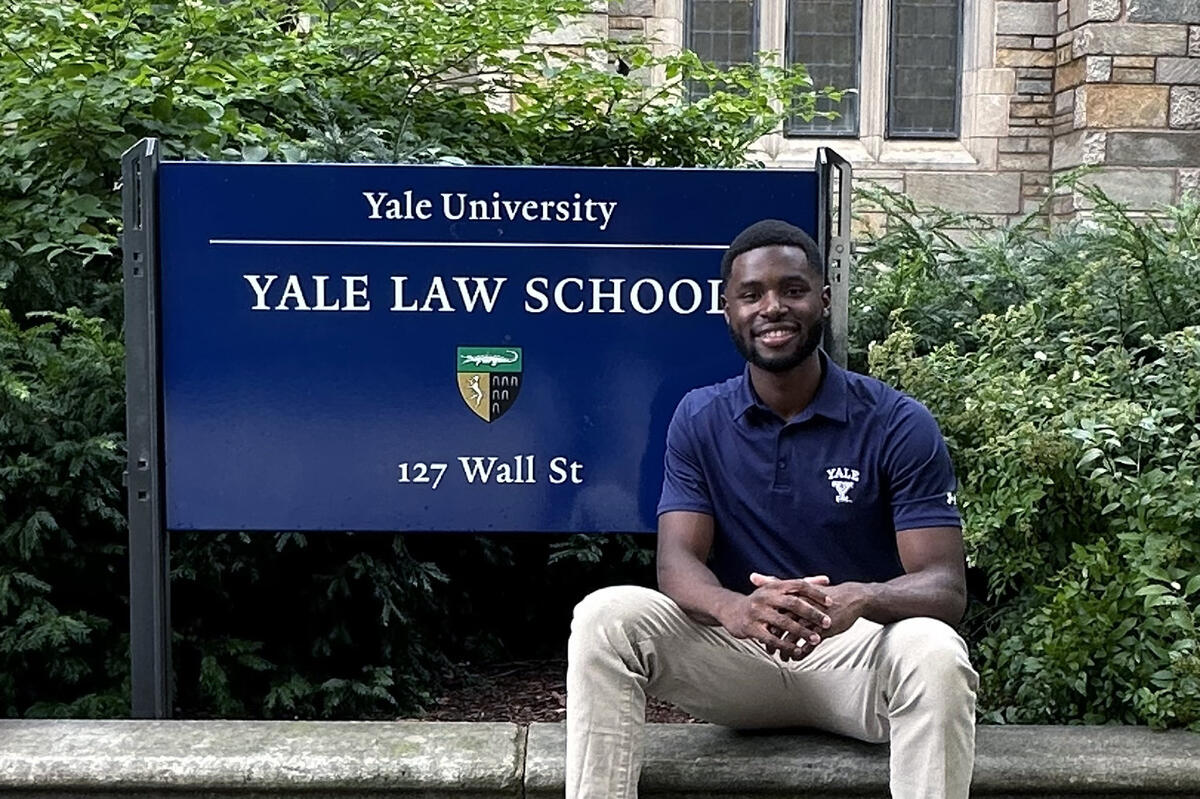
[777,633]
[796,629]
[759,580]
[803,610]
[803,587]
[805,617]
[781,641]
[777,638]
[804,650]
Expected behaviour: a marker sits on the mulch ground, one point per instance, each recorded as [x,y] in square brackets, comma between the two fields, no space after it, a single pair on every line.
[521,692]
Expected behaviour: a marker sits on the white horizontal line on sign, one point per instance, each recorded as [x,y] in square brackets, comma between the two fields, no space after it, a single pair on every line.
[549,244]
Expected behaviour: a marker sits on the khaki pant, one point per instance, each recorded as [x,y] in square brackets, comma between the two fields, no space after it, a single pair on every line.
[909,682]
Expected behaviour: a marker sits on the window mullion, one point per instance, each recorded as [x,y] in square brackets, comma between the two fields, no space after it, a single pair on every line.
[771,36]
[873,84]
[772,28]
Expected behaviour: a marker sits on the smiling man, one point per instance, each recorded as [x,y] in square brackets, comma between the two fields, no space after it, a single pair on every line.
[810,558]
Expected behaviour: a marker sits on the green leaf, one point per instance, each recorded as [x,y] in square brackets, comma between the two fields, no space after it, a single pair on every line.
[254,153]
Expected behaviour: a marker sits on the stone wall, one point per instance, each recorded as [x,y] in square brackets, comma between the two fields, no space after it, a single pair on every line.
[1049,85]
[1127,97]
[1025,39]
[658,21]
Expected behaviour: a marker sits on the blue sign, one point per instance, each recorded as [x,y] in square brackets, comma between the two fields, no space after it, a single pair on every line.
[408,348]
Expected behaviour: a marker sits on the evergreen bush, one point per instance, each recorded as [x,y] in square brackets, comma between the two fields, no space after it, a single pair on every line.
[1064,369]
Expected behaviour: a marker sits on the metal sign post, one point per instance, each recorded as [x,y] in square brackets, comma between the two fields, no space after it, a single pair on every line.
[149,584]
[397,348]
[834,235]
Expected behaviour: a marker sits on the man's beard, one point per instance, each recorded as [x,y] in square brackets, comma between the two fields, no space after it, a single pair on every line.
[784,362]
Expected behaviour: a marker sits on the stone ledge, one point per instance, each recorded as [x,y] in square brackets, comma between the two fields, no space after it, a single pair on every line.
[228,759]
[260,758]
[697,760]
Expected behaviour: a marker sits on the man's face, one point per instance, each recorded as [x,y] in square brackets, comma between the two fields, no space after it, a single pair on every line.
[775,306]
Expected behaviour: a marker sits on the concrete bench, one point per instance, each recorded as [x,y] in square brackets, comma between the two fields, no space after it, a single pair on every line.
[217,759]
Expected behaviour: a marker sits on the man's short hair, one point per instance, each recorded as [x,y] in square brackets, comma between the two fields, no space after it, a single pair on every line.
[769,233]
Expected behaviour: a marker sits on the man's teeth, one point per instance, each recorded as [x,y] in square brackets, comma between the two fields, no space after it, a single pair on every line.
[776,335]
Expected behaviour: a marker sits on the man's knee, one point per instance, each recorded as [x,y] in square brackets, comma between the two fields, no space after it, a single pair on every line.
[932,653]
[610,613]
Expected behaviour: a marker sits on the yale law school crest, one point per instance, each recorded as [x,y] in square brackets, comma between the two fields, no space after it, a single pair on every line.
[489,379]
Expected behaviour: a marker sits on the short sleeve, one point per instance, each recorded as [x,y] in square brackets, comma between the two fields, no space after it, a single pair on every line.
[684,485]
[920,476]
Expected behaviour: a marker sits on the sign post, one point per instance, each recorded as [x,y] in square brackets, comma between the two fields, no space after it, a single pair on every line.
[833,234]
[149,583]
[419,348]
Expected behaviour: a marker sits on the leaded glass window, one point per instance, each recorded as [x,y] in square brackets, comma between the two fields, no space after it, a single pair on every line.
[825,36]
[912,81]
[923,78]
[724,32]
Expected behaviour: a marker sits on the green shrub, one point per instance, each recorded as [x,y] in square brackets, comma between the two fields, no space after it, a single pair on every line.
[287,625]
[1065,372]
[63,576]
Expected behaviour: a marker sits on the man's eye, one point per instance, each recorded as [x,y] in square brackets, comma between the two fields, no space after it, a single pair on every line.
[748,296]
[797,291]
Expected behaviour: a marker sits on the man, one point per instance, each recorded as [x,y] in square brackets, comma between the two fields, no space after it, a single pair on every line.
[810,558]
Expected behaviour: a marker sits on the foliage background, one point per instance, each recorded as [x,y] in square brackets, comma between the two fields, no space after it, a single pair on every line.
[286,625]
[1064,368]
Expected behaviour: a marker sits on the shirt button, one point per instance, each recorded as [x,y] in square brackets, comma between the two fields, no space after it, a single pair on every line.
[782,464]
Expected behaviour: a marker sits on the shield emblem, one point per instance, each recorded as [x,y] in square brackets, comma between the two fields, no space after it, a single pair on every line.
[489,379]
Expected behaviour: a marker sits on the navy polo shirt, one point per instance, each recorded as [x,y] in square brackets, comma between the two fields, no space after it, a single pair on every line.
[823,493]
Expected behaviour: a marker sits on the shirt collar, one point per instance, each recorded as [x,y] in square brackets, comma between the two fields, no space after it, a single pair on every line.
[830,401]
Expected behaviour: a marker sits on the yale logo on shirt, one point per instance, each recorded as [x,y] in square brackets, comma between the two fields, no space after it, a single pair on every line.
[843,479]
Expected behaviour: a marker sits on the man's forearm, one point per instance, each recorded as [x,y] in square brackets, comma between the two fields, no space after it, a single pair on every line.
[935,593]
[696,590]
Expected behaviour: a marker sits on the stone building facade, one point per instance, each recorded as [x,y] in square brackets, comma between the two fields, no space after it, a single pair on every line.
[1046,86]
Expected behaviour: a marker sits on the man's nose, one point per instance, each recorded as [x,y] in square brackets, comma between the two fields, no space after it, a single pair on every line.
[772,304]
